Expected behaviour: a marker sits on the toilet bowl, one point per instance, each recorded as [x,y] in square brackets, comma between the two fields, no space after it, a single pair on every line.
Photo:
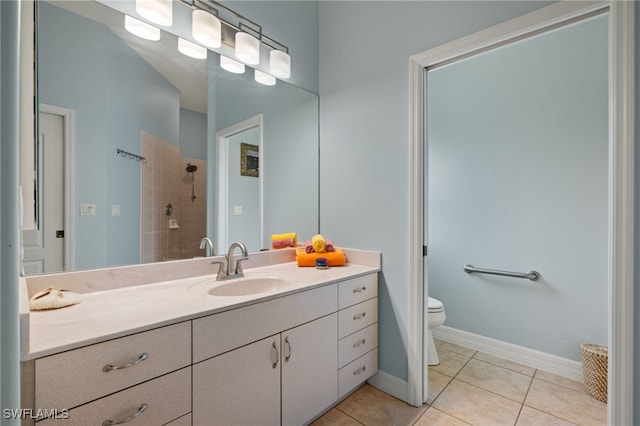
[435,317]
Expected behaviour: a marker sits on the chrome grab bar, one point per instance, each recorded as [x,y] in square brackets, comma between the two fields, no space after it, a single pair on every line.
[531,275]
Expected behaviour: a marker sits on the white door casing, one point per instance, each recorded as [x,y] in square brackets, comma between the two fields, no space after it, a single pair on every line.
[621,185]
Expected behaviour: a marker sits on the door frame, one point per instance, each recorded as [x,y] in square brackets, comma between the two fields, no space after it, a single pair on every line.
[222,196]
[620,196]
[68,166]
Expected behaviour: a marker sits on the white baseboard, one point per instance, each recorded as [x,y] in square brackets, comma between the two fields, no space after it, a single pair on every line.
[553,364]
[390,384]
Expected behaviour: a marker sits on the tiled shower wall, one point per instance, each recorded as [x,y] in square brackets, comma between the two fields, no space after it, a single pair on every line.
[166,181]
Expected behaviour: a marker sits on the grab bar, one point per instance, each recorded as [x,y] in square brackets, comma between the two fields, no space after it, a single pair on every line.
[531,275]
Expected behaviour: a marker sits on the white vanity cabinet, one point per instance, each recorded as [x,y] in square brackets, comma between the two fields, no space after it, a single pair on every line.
[147,373]
[287,377]
[357,332]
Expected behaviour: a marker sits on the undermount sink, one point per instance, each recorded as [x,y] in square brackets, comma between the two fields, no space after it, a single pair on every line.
[248,286]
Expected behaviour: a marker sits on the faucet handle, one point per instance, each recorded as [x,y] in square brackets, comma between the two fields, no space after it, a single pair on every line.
[239,266]
[220,269]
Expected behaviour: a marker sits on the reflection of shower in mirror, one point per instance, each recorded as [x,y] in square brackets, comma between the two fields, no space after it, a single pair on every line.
[191,168]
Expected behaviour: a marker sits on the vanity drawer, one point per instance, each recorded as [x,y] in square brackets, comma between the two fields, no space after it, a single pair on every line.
[81,375]
[355,373]
[219,333]
[167,398]
[357,317]
[357,290]
[357,344]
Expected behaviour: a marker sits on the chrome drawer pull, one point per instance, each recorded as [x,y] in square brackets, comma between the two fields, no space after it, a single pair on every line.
[110,367]
[141,410]
[359,316]
[360,343]
[276,354]
[359,289]
[360,370]
[288,357]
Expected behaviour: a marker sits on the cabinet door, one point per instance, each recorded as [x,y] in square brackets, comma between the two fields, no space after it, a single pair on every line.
[240,387]
[309,370]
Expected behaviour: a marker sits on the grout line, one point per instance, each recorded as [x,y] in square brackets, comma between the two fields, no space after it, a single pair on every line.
[525,396]
[350,416]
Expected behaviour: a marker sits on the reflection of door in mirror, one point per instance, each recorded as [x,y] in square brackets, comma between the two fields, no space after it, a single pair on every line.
[240,192]
[44,242]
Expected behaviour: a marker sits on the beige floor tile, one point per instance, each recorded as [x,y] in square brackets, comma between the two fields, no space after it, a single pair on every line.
[496,379]
[450,362]
[559,380]
[437,383]
[448,346]
[335,417]
[522,369]
[433,417]
[476,406]
[372,407]
[532,417]
[565,403]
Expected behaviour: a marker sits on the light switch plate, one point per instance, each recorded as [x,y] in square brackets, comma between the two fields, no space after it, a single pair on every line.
[87,209]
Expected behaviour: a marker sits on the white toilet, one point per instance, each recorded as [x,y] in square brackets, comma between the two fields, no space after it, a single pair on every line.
[435,317]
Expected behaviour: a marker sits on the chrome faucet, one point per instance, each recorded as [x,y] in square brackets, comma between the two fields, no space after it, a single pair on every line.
[237,273]
[206,242]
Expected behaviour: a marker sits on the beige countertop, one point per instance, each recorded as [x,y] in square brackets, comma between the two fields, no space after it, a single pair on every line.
[112,313]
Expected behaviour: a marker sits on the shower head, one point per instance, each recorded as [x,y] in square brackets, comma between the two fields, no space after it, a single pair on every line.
[191,168]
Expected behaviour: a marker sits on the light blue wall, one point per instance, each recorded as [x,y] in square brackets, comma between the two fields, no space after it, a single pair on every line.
[87,68]
[364,157]
[518,164]
[193,134]
[244,191]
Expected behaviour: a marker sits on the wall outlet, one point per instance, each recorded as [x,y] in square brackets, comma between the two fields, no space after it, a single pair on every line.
[115,210]
[237,210]
[87,209]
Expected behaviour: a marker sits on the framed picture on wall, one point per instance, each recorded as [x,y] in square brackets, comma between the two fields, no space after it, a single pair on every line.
[249,160]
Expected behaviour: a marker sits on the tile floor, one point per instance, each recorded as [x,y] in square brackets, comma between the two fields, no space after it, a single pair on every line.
[474,388]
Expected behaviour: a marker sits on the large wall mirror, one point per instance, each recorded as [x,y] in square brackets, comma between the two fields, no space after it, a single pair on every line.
[125,160]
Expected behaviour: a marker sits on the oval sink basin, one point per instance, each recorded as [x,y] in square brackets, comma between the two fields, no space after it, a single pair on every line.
[249,286]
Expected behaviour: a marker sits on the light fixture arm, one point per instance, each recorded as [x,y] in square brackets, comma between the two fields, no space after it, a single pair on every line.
[230,28]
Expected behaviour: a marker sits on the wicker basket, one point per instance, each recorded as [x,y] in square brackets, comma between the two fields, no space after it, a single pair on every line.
[595,370]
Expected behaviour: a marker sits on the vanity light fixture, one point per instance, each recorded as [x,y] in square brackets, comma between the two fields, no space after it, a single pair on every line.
[231,65]
[206,28]
[191,49]
[247,48]
[141,29]
[157,11]
[280,63]
[239,33]
[264,78]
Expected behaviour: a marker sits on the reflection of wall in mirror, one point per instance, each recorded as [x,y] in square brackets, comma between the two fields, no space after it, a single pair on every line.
[116,95]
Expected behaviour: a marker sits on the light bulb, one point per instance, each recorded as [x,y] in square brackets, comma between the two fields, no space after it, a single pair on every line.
[141,29]
[157,11]
[191,49]
[264,78]
[247,48]
[231,65]
[280,64]
[206,28]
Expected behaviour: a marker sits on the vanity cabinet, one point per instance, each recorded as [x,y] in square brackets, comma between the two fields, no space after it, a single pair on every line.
[267,381]
[147,374]
[282,361]
[287,379]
